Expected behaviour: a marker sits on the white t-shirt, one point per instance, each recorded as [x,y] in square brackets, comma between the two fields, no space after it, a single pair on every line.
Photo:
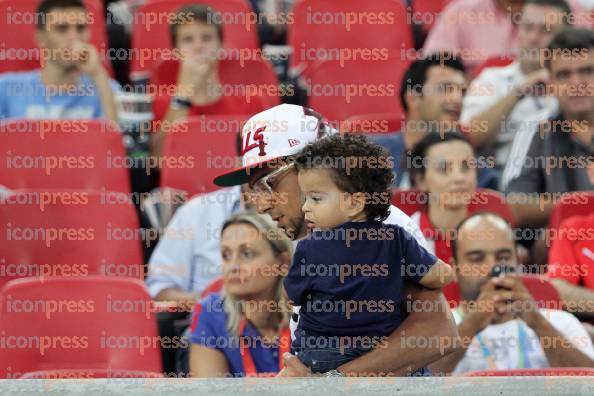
[492,85]
[504,343]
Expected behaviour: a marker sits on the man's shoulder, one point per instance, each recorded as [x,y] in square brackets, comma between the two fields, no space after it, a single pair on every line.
[558,317]
[500,74]
[223,198]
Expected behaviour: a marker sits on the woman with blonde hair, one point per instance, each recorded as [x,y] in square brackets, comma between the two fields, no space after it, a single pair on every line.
[243,330]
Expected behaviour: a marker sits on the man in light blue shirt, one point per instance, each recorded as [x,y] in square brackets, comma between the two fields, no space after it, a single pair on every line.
[188,257]
[72,82]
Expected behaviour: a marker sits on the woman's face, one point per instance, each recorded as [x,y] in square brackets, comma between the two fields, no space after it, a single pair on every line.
[250,267]
[450,174]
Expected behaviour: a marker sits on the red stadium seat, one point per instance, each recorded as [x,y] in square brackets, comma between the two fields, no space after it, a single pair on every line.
[374,123]
[341,91]
[213,287]
[543,292]
[19,51]
[484,200]
[254,77]
[579,203]
[498,61]
[70,323]
[70,154]
[544,372]
[320,28]
[198,149]
[89,373]
[69,233]
[240,30]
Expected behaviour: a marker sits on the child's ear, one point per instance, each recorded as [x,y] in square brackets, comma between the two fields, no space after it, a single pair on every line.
[356,203]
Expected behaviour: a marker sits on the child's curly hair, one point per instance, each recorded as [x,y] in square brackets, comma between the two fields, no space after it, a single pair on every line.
[357,165]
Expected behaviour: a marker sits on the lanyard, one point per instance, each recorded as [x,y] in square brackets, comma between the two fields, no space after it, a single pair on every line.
[249,367]
[522,346]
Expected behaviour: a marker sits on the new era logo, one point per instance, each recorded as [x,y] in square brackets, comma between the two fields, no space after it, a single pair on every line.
[293,142]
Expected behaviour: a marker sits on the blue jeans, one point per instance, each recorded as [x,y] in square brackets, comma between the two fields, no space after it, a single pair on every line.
[322,360]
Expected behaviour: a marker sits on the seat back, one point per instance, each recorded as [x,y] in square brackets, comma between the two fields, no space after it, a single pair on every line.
[69,233]
[250,78]
[340,90]
[150,31]
[578,203]
[73,323]
[66,154]
[328,29]
[374,123]
[543,372]
[484,200]
[202,148]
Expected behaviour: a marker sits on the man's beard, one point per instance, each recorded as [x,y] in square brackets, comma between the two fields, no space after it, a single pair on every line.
[296,230]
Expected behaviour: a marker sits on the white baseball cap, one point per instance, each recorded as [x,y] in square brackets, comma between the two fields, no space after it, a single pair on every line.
[278,132]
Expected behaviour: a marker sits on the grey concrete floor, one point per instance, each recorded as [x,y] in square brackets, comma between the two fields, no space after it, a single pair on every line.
[481,386]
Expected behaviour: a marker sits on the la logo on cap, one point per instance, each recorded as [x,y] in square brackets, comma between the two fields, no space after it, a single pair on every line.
[254,140]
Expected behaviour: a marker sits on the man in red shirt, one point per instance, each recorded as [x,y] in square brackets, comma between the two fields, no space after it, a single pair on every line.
[197,33]
[571,259]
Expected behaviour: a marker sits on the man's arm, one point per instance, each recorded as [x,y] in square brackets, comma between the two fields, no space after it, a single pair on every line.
[493,115]
[575,298]
[530,207]
[560,351]
[400,355]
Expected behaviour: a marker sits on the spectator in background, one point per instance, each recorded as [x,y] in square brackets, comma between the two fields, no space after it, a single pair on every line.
[72,82]
[481,29]
[252,304]
[187,257]
[557,157]
[500,325]
[444,169]
[431,94]
[510,101]
[197,32]
[571,258]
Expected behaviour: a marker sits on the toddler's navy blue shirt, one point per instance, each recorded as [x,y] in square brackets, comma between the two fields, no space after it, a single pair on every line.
[349,281]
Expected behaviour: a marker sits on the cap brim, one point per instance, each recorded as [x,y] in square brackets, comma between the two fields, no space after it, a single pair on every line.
[238,176]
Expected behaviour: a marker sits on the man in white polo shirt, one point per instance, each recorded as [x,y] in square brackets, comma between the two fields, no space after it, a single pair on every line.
[500,324]
[511,101]
[270,139]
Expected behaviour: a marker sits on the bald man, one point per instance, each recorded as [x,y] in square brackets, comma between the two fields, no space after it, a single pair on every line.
[499,324]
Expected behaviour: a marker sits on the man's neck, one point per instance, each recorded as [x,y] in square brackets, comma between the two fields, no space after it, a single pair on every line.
[56,76]
[210,91]
[414,132]
[583,129]
[443,218]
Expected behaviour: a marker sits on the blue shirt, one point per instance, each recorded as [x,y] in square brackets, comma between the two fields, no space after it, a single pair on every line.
[357,263]
[24,95]
[210,330]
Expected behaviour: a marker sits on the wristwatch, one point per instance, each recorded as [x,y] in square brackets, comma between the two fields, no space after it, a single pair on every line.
[333,373]
[178,103]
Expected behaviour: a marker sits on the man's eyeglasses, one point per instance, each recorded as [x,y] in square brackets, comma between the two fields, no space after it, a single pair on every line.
[266,184]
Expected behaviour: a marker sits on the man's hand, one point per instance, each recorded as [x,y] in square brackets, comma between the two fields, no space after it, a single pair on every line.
[87,59]
[535,84]
[294,367]
[518,298]
[481,314]
[193,76]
